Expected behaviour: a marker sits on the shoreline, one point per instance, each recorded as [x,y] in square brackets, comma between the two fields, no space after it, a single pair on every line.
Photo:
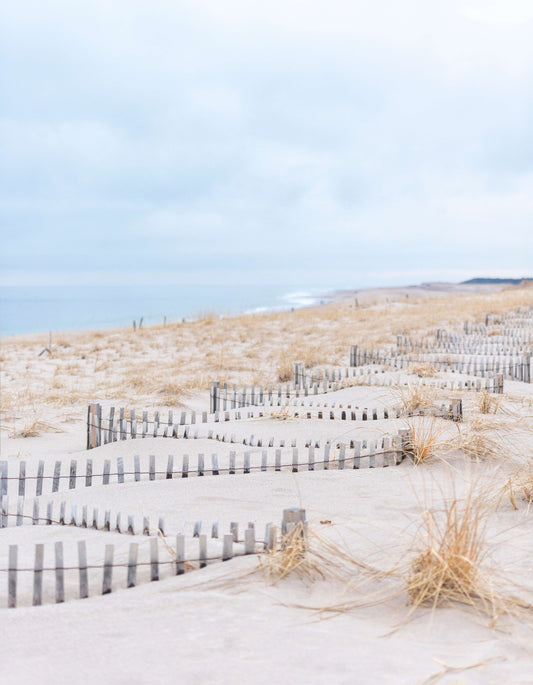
[289,299]
[308,300]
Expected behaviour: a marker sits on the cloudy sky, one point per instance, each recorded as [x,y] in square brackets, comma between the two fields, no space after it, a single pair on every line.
[294,141]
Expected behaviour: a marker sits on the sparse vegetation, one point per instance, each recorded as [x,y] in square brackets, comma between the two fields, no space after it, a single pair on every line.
[487,404]
[425,439]
[414,399]
[450,560]
[424,370]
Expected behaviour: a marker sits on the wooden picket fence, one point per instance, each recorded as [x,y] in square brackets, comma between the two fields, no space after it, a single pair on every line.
[383,451]
[502,345]
[229,547]
[195,425]
[511,367]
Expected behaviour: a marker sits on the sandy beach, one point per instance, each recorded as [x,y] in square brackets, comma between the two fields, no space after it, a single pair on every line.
[345,613]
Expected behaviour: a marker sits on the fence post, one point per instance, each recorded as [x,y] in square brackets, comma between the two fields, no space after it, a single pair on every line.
[38,575]
[227,548]
[249,541]
[154,559]
[60,573]
[291,518]
[12,577]
[527,368]
[108,569]
[94,422]
[297,374]
[405,437]
[293,515]
[354,353]
[457,410]
[180,554]
[214,397]
[3,477]
[132,565]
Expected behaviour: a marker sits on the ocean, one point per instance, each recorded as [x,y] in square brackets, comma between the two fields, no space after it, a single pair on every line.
[65,308]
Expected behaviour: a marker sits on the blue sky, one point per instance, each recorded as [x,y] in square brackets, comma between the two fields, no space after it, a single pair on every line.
[295,142]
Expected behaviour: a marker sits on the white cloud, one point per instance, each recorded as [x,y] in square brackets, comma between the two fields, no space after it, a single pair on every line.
[323,137]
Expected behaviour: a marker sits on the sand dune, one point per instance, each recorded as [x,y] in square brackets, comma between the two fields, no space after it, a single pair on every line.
[367,526]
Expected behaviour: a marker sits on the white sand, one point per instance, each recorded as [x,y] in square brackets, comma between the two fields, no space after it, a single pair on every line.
[225,623]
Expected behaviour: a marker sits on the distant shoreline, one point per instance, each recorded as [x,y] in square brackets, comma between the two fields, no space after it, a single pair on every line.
[293,301]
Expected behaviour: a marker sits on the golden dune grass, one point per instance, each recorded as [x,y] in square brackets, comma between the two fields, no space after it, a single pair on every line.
[164,363]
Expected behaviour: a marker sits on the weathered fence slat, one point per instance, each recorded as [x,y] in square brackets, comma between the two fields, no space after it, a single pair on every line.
[203,550]
[180,554]
[39,483]
[234,530]
[35,514]
[60,573]
[132,564]
[170,466]
[108,569]
[249,540]
[57,474]
[12,577]
[154,559]
[20,511]
[107,471]
[38,576]
[227,547]
[72,476]
[3,477]
[120,469]
[88,473]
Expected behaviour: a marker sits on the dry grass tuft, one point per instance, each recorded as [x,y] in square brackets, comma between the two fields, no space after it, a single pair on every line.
[476,443]
[173,394]
[310,555]
[520,483]
[35,428]
[285,368]
[450,562]
[425,439]
[446,565]
[424,370]
[488,404]
[292,557]
[283,413]
[414,399]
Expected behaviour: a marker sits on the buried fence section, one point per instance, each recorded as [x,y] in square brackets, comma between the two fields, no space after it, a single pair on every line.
[195,425]
[287,457]
[48,583]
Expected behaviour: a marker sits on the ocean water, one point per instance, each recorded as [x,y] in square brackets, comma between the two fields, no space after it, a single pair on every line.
[61,308]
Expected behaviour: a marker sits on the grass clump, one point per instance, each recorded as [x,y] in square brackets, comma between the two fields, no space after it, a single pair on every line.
[520,484]
[415,399]
[446,566]
[488,404]
[450,562]
[424,370]
[291,557]
[285,368]
[33,429]
[425,440]
[475,442]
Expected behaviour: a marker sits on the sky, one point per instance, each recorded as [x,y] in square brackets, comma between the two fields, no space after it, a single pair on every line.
[338,143]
